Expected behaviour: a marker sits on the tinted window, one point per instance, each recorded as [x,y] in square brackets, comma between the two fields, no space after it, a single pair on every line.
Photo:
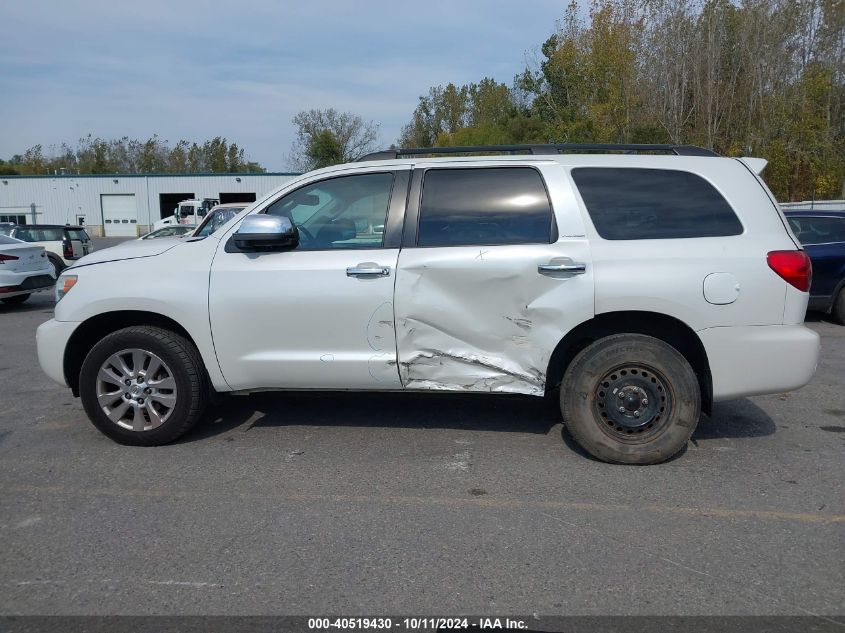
[643,204]
[8,240]
[78,234]
[816,230]
[34,234]
[344,212]
[484,206]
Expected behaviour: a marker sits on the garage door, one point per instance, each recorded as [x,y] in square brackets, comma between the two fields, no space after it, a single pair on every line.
[120,217]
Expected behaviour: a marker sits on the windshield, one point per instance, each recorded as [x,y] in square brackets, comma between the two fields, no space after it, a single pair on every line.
[4,239]
[216,219]
[6,230]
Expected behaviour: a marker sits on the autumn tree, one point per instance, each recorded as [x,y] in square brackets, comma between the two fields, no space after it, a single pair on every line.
[328,137]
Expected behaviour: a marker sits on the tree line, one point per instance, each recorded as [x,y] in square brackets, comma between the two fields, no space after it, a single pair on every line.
[94,155]
[743,77]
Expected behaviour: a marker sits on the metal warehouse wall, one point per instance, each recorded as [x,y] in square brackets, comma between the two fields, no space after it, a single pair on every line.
[61,199]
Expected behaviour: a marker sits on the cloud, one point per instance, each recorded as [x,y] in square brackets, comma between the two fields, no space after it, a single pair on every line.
[195,70]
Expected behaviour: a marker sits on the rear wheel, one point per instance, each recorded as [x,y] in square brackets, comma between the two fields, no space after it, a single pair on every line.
[838,311]
[630,399]
[16,300]
[58,265]
[143,386]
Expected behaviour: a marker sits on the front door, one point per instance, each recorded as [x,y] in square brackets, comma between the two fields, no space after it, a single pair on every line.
[319,316]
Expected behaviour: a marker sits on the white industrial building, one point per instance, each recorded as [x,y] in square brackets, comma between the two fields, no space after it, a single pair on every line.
[121,204]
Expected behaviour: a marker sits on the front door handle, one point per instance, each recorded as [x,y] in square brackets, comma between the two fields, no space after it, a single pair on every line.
[573,268]
[368,270]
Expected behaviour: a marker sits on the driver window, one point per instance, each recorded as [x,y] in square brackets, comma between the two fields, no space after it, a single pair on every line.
[344,212]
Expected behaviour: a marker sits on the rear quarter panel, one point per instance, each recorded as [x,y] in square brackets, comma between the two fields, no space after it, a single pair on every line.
[667,275]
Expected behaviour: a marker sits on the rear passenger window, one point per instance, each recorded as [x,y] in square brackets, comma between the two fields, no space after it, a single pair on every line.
[653,204]
[484,207]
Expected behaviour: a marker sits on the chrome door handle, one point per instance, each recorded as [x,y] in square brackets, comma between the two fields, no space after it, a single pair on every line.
[368,271]
[574,269]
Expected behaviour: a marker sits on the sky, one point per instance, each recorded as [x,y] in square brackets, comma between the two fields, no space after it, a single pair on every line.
[195,70]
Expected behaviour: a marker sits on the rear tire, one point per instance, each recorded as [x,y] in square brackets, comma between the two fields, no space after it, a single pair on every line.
[630,399]
[58,265]
[16,300]
[143,386]
[838,310]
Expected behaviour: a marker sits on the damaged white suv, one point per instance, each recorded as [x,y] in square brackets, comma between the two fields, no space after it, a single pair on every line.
[643,285]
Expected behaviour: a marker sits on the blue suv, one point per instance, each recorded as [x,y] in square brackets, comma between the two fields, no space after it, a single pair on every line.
[822,233]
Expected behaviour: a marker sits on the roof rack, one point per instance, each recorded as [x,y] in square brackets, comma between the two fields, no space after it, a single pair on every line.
[543,149]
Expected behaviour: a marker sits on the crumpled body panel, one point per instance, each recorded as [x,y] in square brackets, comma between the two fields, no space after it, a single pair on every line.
[482,318]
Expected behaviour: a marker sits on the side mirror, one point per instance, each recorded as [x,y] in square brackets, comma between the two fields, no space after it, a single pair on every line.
[261,232]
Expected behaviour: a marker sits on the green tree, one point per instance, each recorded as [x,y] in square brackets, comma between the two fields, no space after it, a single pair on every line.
[328,137]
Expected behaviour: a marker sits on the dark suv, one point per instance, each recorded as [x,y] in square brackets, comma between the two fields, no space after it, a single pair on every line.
[822,233]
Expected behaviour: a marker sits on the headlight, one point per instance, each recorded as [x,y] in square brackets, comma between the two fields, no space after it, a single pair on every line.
[63,285]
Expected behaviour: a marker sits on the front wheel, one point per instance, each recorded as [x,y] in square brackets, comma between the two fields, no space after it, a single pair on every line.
[630,399]
[143,386]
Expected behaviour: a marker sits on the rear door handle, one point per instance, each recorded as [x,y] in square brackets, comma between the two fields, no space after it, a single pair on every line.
[572,269]
[368,270]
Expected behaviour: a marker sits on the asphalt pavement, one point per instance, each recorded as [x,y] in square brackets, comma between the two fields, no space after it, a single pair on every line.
[309,503]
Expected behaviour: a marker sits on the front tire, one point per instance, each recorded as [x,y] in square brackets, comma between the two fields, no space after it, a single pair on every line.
[143,386]
[630,399]
[16,300]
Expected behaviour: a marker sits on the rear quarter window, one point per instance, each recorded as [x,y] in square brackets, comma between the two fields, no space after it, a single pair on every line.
[646,204]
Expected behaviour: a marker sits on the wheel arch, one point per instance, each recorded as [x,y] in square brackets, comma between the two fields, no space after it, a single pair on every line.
[92,330]
[661,326]
[56,259]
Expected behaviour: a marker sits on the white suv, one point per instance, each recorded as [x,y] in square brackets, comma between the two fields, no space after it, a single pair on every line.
[644,287]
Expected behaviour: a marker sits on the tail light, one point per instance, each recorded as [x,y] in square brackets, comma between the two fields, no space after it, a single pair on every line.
[7,258]
[794,267]
[67,248]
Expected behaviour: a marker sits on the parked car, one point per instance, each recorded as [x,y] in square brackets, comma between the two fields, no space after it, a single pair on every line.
[24,269]
[823,236]
[217,217]
[64,244]
[177,230]
[638,288]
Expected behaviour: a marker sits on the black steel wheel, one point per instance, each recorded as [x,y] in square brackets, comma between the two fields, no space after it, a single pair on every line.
[630,398]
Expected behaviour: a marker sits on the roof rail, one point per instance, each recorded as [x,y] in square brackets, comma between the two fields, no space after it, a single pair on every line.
[550,148]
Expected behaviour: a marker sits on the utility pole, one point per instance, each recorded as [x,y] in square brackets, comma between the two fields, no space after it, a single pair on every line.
[32,210]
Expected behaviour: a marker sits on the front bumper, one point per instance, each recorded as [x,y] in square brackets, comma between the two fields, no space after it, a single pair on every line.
[51,338]
[755,360]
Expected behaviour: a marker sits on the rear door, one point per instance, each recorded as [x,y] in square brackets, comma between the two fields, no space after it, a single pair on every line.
[78,241]
[494,270]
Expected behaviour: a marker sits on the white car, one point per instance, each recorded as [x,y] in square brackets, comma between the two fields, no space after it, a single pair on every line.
[24,269]
[64,243]
[640,287]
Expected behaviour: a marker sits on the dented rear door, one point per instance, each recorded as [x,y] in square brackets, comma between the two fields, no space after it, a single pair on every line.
[485,287]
